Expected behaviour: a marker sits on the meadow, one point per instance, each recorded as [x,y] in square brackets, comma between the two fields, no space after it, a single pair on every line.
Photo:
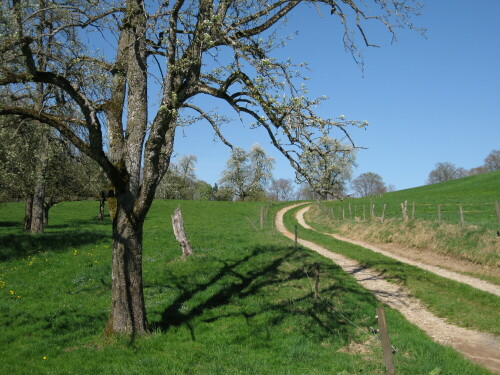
[242,304]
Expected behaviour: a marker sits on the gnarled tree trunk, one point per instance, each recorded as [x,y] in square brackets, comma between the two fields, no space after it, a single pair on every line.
[128,312]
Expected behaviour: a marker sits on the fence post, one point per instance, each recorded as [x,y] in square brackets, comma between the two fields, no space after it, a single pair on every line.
[343,213]
[339,212]
[413,211]
[364,213]
[404,212]
[383,212]
[439,213]
[316,283]
[386,343]
[462,220]
[350,211]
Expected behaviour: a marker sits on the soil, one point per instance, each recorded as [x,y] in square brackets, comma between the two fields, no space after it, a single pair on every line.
[482,348]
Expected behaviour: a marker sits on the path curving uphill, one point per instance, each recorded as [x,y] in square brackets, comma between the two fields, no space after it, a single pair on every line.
[464,279]
[479,347]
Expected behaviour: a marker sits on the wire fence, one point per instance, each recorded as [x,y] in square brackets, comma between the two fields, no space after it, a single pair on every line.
[464,214]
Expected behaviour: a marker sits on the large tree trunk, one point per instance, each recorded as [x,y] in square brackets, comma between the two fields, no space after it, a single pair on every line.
[38,211]
[128,312]
[28,213]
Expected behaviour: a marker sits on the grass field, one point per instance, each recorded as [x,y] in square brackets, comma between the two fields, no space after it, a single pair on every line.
[242,305]
[477,241]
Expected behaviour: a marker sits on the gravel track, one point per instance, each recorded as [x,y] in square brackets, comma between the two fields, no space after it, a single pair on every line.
[482,348]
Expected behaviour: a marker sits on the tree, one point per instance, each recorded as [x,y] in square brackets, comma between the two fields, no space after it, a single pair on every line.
[492,161]
[330,167]
[367,184]
[445,172]
[282,189]
[66,174]
[248,173]
[180,180]
[99,99]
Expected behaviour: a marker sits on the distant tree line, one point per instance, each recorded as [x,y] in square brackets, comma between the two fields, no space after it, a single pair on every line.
[445,171]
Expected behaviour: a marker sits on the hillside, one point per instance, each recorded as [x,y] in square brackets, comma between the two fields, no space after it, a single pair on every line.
[473,189]
[456,218]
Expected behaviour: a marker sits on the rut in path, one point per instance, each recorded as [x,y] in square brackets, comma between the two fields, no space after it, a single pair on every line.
[482,348]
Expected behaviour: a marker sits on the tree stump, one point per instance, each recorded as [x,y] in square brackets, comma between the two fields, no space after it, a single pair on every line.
[180,234]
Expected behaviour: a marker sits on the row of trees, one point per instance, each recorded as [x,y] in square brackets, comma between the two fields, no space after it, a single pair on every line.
[43,169]
[247,177]
[445,171]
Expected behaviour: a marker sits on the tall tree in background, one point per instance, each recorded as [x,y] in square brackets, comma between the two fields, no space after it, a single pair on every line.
[492,161]
[367,184]
[330,167]
[445,172]
[282,189]
[248,173]
[98,97]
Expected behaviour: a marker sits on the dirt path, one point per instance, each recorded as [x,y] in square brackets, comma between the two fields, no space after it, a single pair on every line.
[469,280]
[482,348]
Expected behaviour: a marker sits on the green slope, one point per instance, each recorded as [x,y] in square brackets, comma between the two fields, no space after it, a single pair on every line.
[476,194]
[473,189]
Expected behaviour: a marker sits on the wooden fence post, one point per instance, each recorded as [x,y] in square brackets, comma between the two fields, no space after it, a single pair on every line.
[364,213]
[413,211]
[462,220]
[386,343]
[383,212]
[339,212]
[404,212]
[316,283]
[343,213]
[350,211]
[439,213]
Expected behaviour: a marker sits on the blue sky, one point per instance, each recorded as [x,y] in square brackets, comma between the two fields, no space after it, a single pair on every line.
[427,99]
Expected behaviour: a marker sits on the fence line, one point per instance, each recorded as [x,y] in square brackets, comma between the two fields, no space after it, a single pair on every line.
[464,214]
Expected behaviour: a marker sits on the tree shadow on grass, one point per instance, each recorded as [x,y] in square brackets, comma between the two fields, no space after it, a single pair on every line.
[244,280]
[10,224]
[20,245]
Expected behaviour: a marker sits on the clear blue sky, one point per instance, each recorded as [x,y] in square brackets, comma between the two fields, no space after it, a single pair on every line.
[427,100]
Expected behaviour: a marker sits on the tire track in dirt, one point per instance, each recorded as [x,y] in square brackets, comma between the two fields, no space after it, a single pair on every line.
[469,280]
[479,347]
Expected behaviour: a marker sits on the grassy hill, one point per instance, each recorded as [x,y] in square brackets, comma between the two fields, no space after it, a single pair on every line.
[241,305]
[483,188]
[434,218]
[476,194]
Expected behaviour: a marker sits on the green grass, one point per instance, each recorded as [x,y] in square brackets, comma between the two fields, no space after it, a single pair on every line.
[477,194]
[458,303]
[242,305]
[476,242]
